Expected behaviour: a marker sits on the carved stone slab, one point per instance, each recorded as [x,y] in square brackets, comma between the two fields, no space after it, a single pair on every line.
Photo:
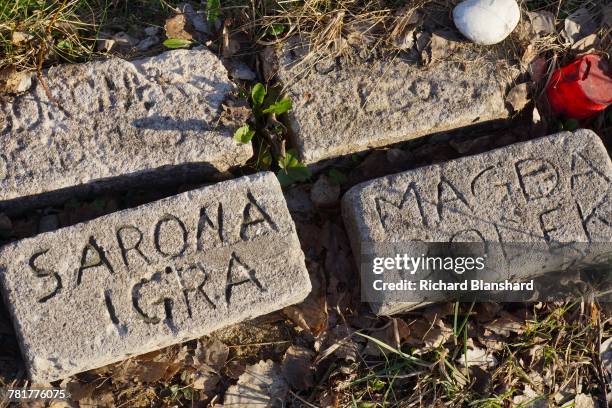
[141,279]
[552,190]
[341,108]
[115,118]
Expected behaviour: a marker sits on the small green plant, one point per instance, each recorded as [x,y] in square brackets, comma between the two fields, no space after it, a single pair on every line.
[177,43]
[244,134]
[377,384]
[213,10]
[258,94]
[275,29]
[266,107]
[177,392]
[280,107]
[291,169]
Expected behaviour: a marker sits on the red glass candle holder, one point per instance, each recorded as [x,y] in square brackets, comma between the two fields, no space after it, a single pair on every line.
[582,88]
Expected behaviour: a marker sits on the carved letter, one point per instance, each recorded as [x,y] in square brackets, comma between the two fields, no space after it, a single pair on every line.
[239,273]
[206,222]
[192,279]
[167,219]
[110,308]
[135,303]
[42,273]
[160,290]
[444,198]
[133,247]
[546,230]
[593,215]
[100,260]
[578,160]
[538,178]
[406,202]
[249,220]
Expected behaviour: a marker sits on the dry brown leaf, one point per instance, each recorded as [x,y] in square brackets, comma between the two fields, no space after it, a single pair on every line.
[423,40]
[19,38]
[160,365]
[418,329]
[578,25]
[311,314]
[530,398]
[505,324]
[151,371]
[537,69]
[230,45]
[92,394]
[204,380]
[518,97]
[476,356]
[262,385]
[443,43]
[542,22]
[60,404]
[236,113]
[395,333]
[492,341]
[234,368]
[79,391]
[329,399]
[337,341]
[587,43]
[437,335]
[584,401]
[179,27]
[13,81]
[269,62]
[296,367]
[402,32]
[529,55]
[439,311]
[212,353]
[401,330]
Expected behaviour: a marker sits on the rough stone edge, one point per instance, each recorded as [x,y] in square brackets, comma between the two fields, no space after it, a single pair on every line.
[355,225]
[159,177]
[290,299]
[321,155]
[319,161]
[186,172]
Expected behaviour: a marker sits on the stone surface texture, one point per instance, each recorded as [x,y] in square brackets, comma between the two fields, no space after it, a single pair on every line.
[117,118]
[340,108]
[548,191]
[142,279]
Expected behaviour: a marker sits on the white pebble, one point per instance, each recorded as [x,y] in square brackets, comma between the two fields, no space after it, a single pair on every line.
[486,22]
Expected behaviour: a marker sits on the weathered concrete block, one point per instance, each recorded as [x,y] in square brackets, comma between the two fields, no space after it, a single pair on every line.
[549,191]
[108,119]
[340,109]
[141,279]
